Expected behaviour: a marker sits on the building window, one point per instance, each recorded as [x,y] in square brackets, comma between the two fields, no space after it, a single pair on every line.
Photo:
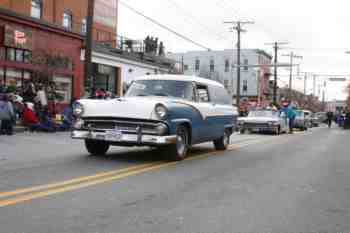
[212,65]
[227,65]
[185,67]
[245,85]
[245,64]
[197,64]
[67,19]
[226,83]
[83,26]
[36,10]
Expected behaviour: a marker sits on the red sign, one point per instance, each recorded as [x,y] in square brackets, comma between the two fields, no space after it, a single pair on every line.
[18,37]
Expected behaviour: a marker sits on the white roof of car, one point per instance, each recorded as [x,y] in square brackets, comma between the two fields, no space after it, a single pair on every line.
[180,78]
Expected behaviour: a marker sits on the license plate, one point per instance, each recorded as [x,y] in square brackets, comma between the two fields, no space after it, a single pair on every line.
[114,135]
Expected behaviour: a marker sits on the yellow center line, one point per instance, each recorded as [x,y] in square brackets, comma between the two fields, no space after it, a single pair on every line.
[74,181]
[87,181]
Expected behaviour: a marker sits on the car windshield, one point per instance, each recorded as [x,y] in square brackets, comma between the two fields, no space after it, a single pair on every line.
[169,88]
[263,113]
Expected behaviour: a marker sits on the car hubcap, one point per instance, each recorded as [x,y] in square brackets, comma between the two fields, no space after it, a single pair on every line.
[181,143]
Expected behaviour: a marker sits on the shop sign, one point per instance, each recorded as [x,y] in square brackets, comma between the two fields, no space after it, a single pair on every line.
[18,37]
[106,12]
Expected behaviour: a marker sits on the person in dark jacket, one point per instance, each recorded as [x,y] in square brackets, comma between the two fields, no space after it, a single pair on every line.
[330,116]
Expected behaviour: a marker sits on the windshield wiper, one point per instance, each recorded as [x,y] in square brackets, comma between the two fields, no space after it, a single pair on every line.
[160,94]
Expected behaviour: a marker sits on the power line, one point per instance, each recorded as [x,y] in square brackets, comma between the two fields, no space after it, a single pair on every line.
[164,26]
[291,56]
[198,21]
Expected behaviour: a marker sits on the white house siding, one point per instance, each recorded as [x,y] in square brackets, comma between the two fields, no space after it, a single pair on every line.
[252,76]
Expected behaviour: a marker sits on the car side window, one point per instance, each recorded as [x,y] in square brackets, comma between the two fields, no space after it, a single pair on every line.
[219,95]
[203,93]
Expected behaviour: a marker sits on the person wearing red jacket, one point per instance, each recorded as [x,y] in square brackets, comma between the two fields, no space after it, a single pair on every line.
[32,121]
[29,117]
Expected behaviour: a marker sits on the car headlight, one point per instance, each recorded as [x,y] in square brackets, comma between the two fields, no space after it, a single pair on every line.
[273,123]
[79,124]
[78,109]
[241,122]
[161,111]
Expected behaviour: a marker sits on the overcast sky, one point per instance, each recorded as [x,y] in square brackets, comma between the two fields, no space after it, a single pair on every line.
[317,30]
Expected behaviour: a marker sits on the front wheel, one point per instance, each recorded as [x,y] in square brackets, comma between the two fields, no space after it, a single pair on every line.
[222,142]
[178,151]
[96,148]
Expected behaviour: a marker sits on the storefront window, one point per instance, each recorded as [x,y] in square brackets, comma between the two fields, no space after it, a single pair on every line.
[13,77]
[2,76]
[27,56]
[19,55]
[10,54]
[63,88]
[2,53]
[26,75]
[105,77]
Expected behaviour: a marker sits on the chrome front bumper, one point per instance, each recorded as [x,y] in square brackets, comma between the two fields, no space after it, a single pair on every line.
[130,139]
[258,128]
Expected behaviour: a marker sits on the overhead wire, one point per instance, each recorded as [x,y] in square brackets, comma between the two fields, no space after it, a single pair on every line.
[164,26]
[196,20]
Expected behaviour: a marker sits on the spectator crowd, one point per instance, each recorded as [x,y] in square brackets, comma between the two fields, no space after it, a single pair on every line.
[28,106]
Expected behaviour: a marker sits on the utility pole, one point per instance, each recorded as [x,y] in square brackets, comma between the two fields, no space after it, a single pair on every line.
[291,55]
[324,92]
[314,85]
[275,46]
[238,27]
[182,64]
[89,79]
[305,83]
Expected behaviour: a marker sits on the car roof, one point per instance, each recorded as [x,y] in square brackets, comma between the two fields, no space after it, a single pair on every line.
[180,78]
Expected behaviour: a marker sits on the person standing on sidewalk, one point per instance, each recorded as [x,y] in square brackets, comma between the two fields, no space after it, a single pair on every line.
[7,116]
[330,116]
[288,109]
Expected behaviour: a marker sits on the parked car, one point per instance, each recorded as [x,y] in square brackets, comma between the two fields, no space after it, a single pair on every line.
[171,112]
[264,121]
[322,116]
[302,120]
[315,120]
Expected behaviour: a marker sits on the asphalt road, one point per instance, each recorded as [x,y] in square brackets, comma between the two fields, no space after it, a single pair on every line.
[287,183]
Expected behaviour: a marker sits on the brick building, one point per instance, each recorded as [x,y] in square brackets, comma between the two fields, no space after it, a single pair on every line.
[34,29]
[71,15]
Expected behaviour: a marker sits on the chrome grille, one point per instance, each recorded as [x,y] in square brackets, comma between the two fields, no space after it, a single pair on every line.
[124,125]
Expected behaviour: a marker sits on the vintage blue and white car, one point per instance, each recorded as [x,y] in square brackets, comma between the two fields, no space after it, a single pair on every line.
[172,112]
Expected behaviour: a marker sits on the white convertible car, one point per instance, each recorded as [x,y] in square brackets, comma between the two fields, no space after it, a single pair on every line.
[264,121]
[171,112]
